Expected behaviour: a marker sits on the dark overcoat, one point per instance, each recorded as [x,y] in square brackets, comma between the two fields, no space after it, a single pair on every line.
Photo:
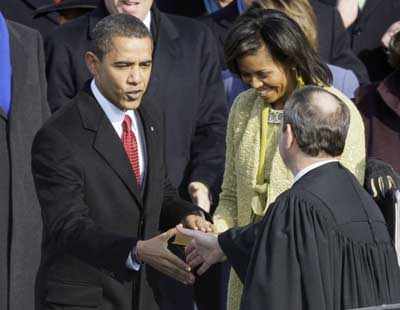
[20,219]
[185,84]
[93,211]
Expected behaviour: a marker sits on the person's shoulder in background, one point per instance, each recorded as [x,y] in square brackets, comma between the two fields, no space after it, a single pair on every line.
[345,80]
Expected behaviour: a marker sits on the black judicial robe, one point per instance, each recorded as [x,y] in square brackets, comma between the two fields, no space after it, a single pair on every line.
[323,245]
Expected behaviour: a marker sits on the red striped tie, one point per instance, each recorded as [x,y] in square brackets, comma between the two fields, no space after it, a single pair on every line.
[131,147]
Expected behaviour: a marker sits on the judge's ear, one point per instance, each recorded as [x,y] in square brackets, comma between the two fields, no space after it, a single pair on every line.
[290,138]
[92,63]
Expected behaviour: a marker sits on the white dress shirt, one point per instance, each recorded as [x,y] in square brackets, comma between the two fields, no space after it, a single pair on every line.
[147,20]
[116,117]
[307,169]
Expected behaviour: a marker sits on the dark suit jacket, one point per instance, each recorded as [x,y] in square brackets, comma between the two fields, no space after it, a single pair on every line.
[333,40]
[93,211]
[20,220]
[21,11]
[366,33]
[185,84]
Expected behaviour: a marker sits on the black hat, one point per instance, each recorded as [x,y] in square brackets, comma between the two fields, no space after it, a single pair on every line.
[62,5]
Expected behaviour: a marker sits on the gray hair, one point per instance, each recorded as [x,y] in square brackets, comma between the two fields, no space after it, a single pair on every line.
[320,121]
[118,25]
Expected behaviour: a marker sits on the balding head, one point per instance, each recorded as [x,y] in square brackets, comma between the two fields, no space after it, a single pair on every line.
[319,121]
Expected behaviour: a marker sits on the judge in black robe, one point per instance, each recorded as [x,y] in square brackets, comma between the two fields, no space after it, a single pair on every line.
[323,244]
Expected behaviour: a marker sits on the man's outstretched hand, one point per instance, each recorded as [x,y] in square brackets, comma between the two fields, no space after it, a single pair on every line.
[155,253]
[203,251]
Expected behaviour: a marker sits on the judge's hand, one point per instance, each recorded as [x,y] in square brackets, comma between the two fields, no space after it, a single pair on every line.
[197,222]
[155,253]
[203,251]
[348,10]
[392,30]
[200,195]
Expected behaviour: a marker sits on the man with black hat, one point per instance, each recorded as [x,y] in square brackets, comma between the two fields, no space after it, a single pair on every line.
[186,86]
[67,9]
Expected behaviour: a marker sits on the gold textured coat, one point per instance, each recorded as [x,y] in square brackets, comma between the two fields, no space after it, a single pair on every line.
[242,156]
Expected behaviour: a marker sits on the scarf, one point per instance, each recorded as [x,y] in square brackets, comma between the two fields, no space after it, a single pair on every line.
[5,67]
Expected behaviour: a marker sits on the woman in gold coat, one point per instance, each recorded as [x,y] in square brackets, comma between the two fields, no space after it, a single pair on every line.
[274,59]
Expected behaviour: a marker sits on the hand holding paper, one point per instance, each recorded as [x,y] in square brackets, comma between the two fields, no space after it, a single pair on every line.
[203,250]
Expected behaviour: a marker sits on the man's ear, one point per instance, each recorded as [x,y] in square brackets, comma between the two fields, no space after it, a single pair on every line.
[291,139]
[92,63]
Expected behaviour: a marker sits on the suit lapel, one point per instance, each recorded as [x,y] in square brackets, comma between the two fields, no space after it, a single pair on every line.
[150,129]
[107,143]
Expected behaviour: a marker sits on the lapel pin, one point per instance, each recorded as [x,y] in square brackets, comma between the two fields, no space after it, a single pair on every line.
[151,128]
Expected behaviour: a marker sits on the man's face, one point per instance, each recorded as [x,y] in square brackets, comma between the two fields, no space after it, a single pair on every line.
[123,74]
[137,8]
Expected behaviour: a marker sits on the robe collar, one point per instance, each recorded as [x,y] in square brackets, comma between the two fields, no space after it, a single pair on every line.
[313,166]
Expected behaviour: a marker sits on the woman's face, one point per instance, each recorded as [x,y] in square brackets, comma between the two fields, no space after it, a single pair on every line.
[273,81]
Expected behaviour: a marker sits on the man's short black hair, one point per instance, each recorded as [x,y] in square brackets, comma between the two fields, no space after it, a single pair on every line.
[320,121]
[118,25]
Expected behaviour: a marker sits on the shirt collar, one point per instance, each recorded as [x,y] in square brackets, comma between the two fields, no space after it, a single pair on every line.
[241,6]
[114,114]
[313,166]
[147,20]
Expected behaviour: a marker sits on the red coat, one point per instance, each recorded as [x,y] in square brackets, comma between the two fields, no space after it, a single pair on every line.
[379,105]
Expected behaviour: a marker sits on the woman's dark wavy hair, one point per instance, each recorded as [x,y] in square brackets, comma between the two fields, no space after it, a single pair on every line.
[283,38]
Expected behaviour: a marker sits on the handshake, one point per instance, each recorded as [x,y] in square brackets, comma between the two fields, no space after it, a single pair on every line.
[203,250]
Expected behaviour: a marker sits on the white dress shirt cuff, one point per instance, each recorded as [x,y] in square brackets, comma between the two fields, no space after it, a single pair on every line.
[131,263]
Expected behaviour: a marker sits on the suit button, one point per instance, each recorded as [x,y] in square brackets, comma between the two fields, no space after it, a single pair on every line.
[357,31]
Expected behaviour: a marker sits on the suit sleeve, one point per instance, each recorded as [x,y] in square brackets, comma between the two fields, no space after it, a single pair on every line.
[59,181]
[60,72]
[207,153]
[342,55]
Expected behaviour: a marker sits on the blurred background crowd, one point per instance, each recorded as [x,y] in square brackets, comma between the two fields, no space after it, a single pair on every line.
[211,78]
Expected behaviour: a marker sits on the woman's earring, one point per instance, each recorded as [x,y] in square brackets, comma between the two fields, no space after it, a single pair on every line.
[299,79]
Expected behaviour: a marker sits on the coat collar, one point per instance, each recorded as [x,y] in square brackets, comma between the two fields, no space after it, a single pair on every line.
[106,141]
[389,91]
[108,144]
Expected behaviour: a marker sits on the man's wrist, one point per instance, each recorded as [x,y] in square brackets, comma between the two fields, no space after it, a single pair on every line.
[137,252]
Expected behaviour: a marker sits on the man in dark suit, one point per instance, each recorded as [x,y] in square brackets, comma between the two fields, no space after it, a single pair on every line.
[102,183]
[185,85]
[324,243]
[22,11]
[23,109]
[334,42]
[366,22]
